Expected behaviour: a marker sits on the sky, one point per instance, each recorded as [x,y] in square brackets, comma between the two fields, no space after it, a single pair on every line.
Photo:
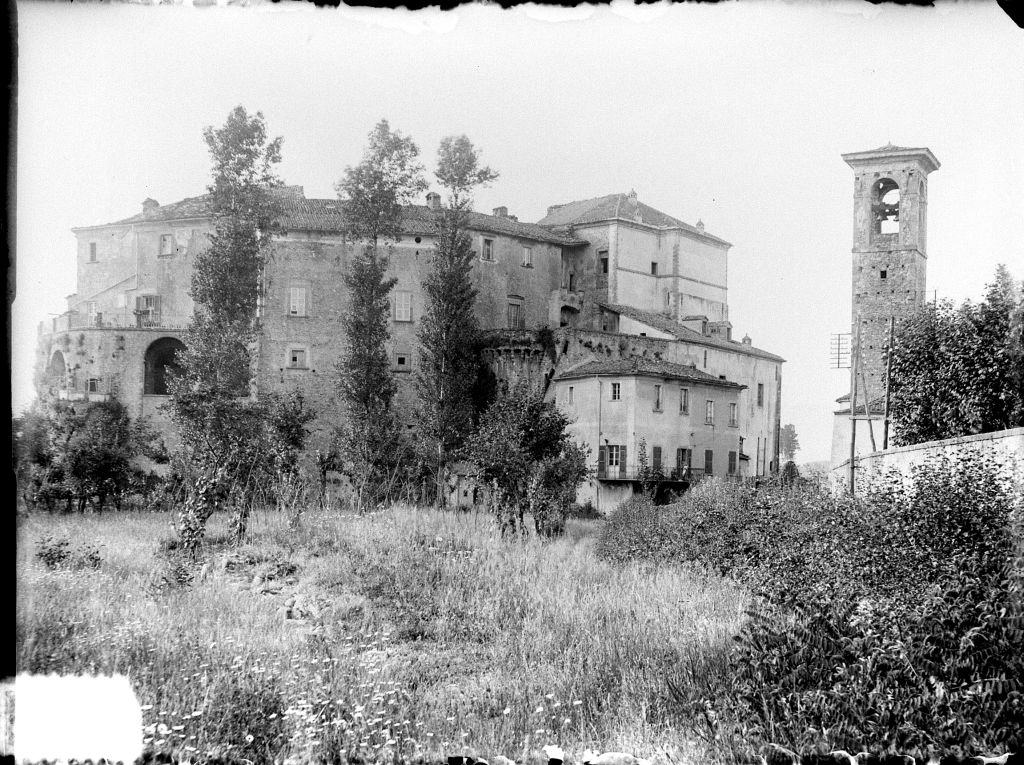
[732,113]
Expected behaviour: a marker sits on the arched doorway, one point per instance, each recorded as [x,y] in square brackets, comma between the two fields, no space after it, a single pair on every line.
[161,356]
[57,372]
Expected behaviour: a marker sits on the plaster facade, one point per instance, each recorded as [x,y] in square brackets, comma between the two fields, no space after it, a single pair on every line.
[608,279]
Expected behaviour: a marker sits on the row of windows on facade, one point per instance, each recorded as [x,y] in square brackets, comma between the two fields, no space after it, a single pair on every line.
[401,306]
[612,460]
[487,253]
[167,248]
[298,357]
[684,401]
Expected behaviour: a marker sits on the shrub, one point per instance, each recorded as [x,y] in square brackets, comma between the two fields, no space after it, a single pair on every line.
[894,618]
[56,552]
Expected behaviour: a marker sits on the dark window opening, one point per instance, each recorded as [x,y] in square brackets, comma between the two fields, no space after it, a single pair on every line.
[654,268]
[709,461]
[883,273]
[604,265]
[732,463]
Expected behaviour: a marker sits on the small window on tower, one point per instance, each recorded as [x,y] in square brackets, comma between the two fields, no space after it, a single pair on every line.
[403,362]
[883,273]
[654,268]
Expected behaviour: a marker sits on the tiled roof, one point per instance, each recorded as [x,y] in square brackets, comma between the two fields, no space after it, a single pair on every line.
[877,404]
[327,216]
[621,206]
[677,330]
[642,366]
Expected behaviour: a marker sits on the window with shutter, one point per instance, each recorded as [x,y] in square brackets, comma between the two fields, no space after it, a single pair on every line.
[297,301]
[709,461]
[622,460]
[684,401]
[403,306]
[709,412]
[656,458]
[732,463]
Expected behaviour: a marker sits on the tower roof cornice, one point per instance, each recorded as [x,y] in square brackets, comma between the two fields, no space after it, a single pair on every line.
[889,152]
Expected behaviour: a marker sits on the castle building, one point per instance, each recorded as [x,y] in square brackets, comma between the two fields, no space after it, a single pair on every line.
[630,297]
[890,226]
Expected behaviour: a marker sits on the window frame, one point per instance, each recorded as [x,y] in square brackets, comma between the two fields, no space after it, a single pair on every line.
[399,315]
[516,319]
[734,415]
[304,291]
[403,368]
[93,253]
[760,394]
[709,411]
[654,268]
[615,449]
[527,256]
[658,398]
[170,250]
[616,391]
[487,250]
[289,357]
[569,398]
[733,466]
[684,400]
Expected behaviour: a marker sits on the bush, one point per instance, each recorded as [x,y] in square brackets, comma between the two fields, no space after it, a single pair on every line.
[894,618]
[56,552]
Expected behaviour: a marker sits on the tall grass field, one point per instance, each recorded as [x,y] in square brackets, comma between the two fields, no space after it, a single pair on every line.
[390,637]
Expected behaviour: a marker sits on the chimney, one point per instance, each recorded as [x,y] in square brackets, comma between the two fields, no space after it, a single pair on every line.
[149,206]
[434,200]
[500,212]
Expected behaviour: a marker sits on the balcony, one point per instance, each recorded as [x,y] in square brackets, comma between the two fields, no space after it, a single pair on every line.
[143,320]
[633,473]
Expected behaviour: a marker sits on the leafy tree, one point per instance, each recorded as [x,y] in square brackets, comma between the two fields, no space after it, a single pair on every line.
[224,435]
[78,456]
[522,451]
[448,334]
[789,444]
[374,193]
[957,370]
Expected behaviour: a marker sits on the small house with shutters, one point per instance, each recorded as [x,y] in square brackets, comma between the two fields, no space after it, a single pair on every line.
[681,422]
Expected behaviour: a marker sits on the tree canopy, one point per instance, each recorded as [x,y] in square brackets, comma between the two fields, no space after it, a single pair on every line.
[959,370]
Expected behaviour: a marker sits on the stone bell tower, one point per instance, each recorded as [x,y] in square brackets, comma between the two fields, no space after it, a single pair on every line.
[890,226]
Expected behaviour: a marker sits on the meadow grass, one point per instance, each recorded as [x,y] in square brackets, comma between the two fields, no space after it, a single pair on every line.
[426,634]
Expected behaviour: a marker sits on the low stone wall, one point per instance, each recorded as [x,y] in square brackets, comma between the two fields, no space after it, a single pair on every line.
[998,445]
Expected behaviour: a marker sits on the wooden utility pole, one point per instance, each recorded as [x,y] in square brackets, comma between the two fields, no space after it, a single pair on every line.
[888,379]
[867,410]
[853,405]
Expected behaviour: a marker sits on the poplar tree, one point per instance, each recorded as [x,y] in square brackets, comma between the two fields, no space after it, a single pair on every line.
[223,433]
[448,362]
[374,194]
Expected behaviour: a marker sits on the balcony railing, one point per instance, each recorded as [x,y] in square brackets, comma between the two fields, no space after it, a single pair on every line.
[72,321]
[634,473]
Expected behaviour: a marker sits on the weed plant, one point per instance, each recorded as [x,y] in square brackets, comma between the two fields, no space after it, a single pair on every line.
[419,633]
[888,622]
